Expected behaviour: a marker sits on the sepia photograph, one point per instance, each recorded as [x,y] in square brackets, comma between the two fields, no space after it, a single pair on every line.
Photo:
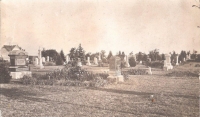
[99,58]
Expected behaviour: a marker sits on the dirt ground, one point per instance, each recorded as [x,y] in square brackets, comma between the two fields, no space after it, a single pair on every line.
[173,97]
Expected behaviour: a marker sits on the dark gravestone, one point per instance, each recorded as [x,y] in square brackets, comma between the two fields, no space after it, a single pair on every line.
[18,67]
[114,68]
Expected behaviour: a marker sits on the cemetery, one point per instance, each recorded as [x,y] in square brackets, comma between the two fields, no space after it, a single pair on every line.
[159,85]
[99,58]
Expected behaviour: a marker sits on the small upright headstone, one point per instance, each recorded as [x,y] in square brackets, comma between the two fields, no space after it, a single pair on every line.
[167,62]
[88,61]
[47,58]
[184,59]
[40,65]
[67,59]
[177,60]
[43,59]
[149,71]
[95,61]
[79,62]
[36,61]
[127,62]
[114,68]
[189,57]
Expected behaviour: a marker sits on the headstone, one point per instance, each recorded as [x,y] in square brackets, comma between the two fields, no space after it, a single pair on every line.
[114,69]
[189,57]
[47,58]
[135,58]
[40,65]
[79,62]
[149,71]
[36,61]
[127,62]
[67,59]
[18,67]
[177,60]
[43,59]
[140,62]
[167,62]
[184,59]
[88,61]
[125,58]
[95,61]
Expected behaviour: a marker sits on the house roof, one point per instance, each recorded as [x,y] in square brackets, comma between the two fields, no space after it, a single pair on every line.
[10,47]
[17,52]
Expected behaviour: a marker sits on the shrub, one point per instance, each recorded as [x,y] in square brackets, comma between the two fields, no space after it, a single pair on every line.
[104,60]
[182,74]
[59,60]
[156,64]
[137,72]
[132,62]
[4,73]
[49,64]
[69,76]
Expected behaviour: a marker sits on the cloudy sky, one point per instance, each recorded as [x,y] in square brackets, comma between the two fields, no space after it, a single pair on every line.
[126,25]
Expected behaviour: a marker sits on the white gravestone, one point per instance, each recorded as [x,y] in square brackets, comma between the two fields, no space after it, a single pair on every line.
[67,59]
[47,58]
[36,61]
[40,65]
[127,61]
[149,71]
[88,61]
[43,59]
[95,61]
[79,62]
[167,62]
[177,60]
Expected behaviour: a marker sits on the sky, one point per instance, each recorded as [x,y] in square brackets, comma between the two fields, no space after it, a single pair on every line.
[110,25]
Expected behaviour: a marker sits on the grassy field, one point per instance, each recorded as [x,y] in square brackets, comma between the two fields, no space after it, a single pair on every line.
[174,97]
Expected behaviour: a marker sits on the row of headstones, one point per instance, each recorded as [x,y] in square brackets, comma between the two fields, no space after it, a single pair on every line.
[126,58]
[43,60]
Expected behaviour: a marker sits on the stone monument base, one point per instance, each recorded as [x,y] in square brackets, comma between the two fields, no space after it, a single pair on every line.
[39,66]
[88,64]
[116,75]
[18,75]
[167,67]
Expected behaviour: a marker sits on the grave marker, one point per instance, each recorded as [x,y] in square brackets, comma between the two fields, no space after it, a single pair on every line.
[18,67]
[114,68]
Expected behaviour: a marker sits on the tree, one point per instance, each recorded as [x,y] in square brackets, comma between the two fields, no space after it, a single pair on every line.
[140,56]
[72,53]
[144,58]
[80,53]
[123,55]
[59,60]
[109,55]
[132,62]
[62,55]
[51,53]
[103,54]
[88,55]
[163,57]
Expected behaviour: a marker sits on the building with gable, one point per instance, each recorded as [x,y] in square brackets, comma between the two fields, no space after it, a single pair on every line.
[6,49]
